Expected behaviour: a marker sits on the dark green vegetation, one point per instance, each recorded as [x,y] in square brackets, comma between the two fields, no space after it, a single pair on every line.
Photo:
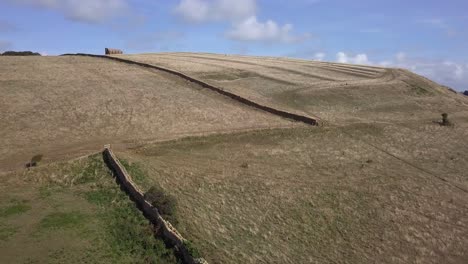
[193,251]
[75,213]
[20,53]
[165,203]
[157,196]
[135,170]
[445,120]
[34,161]
[62,220]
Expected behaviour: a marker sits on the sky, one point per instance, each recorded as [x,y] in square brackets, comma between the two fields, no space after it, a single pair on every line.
[428,37]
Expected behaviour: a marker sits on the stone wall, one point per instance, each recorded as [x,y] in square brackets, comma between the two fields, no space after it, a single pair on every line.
[296,117]
[164,228]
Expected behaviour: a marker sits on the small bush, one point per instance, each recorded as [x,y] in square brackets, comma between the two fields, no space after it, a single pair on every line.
[445,120]
[165,203]
[34,161]
[193,251]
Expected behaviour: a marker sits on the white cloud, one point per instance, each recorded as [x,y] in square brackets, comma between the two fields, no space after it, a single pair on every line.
[242,16]
[358,59]
[252,30]
[400,56]
[215,10]
[319,56]
[445,72]
[90,11]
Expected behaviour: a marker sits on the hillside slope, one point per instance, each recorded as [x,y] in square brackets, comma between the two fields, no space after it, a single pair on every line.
[70,106]
[379,181]
[336,93]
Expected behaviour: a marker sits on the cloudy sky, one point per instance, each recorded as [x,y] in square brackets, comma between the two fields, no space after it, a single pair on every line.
[429,37]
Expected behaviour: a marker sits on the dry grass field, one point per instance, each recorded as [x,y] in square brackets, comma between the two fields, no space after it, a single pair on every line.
[333,92]
[380,181]
[316,196]
[65,107]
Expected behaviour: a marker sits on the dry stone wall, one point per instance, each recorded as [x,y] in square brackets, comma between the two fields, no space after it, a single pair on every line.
[165,229]
[296,117]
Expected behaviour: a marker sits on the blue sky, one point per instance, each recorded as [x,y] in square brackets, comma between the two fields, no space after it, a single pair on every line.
[429,37]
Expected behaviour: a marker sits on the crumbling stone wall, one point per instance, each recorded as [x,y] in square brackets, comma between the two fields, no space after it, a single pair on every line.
[165,229]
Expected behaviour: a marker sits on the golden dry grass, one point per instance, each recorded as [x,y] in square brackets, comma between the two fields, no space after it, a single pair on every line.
[64,107]
[379,182]
[336,93]
[315,196]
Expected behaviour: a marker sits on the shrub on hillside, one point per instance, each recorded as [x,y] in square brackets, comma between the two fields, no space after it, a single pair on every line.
[445,120]
[164,202]
[34,161]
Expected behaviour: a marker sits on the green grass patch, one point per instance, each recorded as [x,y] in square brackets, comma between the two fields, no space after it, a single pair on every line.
[100,196]
[193,251]
[7,231]
[104,227]
[129,236]
[129,231]
[17,207]
[136,171]
[90,171]
[63,220]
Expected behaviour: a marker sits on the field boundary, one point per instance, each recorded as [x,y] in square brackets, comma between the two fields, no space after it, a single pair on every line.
[271,110]
[169,234]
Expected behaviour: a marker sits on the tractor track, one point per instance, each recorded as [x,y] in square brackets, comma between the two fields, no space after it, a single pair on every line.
[300,73]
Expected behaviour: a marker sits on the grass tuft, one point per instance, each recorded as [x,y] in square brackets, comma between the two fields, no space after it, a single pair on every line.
[6,232]
[135,170]
[63,220]
[18,207]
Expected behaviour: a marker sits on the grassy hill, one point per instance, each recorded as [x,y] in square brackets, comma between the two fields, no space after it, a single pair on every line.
[65,107]
[378,181]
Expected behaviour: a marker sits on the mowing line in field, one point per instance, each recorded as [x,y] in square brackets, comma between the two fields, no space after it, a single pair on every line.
[281,113]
